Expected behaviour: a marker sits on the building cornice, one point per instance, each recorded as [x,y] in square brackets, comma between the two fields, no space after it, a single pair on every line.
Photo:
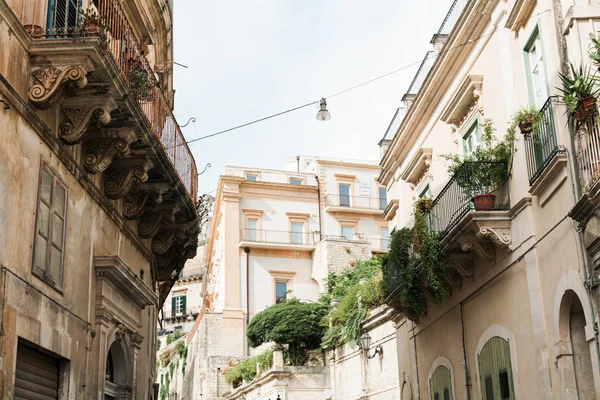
[466,37]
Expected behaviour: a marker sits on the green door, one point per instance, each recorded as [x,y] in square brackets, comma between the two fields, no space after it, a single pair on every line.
[440,385]
[495,371]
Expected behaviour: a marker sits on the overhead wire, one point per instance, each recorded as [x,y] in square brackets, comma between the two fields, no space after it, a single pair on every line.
[363,83]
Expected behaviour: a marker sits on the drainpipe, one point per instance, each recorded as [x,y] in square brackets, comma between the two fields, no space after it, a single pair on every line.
[247,251]
[584,264]
[298,164]
[464,347]
[319,203]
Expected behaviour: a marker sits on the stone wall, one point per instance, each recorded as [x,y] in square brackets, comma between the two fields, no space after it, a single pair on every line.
[333,255]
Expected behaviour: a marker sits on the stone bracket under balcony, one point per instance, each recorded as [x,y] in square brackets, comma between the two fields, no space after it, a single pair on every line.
[586,214]
[481,232]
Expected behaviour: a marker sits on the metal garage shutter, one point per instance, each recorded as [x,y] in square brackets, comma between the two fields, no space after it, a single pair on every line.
[36,376]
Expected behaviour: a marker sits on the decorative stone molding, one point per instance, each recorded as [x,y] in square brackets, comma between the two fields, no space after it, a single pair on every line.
[80,114]
[48,83]
[123,174]
[157,219]
[417,167]
[484,250]
[106,146]
[498,235]
[467,97]
[114,270]
[519,15]
[136,201]
[163,241]
[390,211]
[462,265]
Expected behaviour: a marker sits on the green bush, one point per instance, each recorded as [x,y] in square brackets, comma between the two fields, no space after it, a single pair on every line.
[181,349]
[173,337]
[158,344]
[354,298]
[292,322]
[246,369]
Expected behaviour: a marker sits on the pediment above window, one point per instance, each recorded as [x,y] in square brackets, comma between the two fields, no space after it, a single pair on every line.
[466,98]
[519,15]
[417,167]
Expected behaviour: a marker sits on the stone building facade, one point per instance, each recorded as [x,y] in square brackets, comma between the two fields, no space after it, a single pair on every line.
[98,196]
[521,318]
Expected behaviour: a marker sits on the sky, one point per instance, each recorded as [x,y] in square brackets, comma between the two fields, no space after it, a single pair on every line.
[250,59]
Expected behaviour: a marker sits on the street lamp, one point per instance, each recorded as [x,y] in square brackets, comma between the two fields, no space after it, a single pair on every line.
[365,342]
[323,114]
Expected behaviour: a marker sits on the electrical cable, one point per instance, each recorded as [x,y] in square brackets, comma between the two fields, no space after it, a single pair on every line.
[363,83]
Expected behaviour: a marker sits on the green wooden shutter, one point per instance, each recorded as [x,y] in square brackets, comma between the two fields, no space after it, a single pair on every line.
[440,385]
[495,371]
[183,305]
[173,306]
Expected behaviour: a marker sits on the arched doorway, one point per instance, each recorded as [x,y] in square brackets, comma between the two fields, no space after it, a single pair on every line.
[117,382]
[576,364]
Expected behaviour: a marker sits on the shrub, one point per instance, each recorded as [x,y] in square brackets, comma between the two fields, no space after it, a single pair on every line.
[181,349]
[173,337]
[158,344]
[246,369]
[292,322]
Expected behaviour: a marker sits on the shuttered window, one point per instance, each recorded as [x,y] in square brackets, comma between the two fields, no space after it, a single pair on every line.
[36,375]
[48,253]
[178,305]
[440,385]
[495,371]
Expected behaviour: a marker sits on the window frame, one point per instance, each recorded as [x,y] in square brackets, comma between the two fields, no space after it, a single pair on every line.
[383,239]
[281,276]
[252,215]
[535,36]
[293,178]
[251,175]
[474,125]
[342,226]
[44,273]
[381,205]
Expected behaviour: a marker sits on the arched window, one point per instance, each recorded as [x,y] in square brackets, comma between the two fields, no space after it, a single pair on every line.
[495,370]
[440,384]
[110,369]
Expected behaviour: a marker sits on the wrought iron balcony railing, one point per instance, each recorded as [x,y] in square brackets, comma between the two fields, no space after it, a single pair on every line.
[106,19]
[277,237]
[587,151]
[369,203]
[469,189]
[419,78]
[541,146]
[452,17]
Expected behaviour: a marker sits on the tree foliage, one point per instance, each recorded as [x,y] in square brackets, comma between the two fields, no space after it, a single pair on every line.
[295,323]
[173,337]
[246,370]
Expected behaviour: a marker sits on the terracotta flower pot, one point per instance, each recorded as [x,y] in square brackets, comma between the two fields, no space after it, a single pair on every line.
[484,201]
[526,127]
[92,29]
[34,30]
[589,103]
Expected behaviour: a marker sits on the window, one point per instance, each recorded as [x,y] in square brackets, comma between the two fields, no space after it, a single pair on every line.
[344,191]
[382,198]
[536,71]
[48,256]
[426,193]
[295,181]
[251,177]
[281,288]
[178,306]
[297,233]
[385,239]
[252,230]
[348,232]
[472,138]
[496,370]
[63,15]
[440,384]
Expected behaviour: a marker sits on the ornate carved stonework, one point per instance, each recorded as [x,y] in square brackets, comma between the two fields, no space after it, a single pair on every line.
[123,174]
[462,265]
[136,201]
[152,222]
[483,249]
[500,236]
[120,332]
[165,238]
[77,118]
[106,146]
[48,81]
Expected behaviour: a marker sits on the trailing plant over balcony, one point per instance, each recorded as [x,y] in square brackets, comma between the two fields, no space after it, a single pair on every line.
[139,81]
[414,269]
[580,92]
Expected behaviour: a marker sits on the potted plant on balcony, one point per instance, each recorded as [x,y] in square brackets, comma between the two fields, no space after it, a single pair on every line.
[528,119]
[90,23]
[594,52]
[579,95]
[484,170]
[139,81]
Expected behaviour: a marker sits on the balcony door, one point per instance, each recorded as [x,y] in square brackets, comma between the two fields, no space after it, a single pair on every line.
[63,16]
[344,191]
[297,233]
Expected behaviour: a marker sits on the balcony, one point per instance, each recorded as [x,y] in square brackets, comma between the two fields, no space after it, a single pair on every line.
[545,158]
[191,275]
[278,240]
[379,245]
[90,77]
[335,203]
[471,216]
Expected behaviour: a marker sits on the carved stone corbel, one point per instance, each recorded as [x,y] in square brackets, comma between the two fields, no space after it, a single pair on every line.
[79,115]
[153,221]
[462,265]
[49,81]
[501,236]
[107,145]
[136,201]
[165,238]
[484,249]
[123,174]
